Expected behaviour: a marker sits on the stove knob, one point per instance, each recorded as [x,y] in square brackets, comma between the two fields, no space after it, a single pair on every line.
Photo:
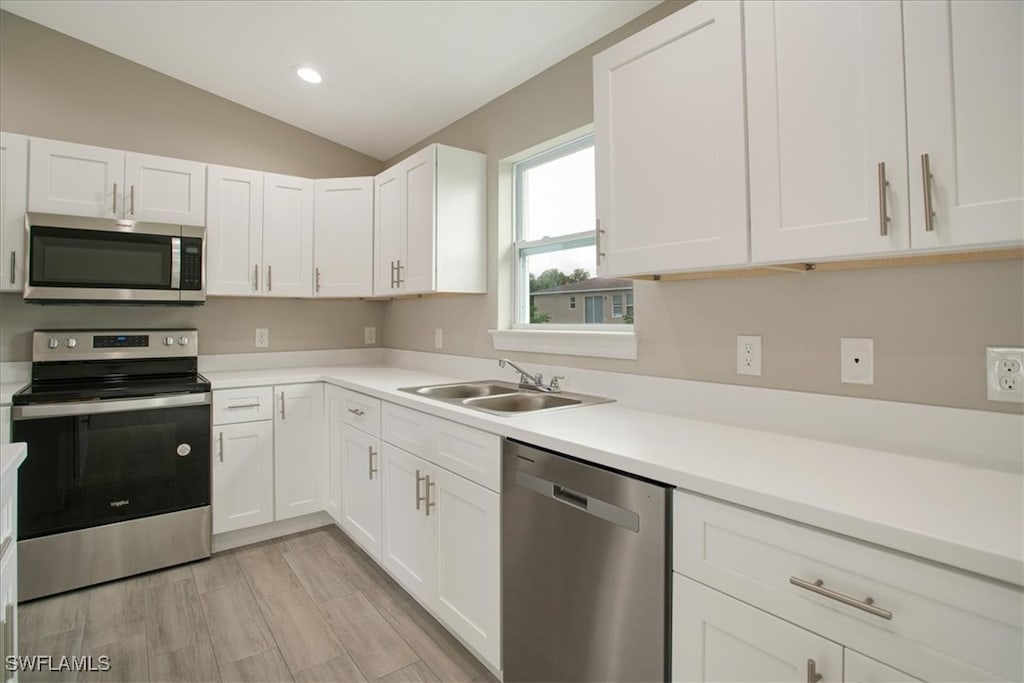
[72,342]
[183,340]
[53,343]
[168,341]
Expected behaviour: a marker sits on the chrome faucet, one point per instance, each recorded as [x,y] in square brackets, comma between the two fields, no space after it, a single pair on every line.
[534,382]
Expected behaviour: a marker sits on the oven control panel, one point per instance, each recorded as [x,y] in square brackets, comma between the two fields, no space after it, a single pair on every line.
[53,345]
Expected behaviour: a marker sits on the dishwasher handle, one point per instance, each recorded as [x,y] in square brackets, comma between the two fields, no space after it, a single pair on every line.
[589,505]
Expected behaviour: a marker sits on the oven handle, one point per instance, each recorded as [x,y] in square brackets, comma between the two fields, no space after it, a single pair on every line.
[36,412]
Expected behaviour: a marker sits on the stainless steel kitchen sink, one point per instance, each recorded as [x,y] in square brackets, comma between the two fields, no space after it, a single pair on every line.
[503,398]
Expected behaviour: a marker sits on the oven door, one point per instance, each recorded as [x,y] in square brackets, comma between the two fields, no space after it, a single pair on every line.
[94,463]
[103,261]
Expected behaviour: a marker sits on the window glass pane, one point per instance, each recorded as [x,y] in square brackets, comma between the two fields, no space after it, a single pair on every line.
[557,197]
[564,291]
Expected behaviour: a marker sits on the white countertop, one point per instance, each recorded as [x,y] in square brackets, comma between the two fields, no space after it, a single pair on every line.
[967,517]
[11,457]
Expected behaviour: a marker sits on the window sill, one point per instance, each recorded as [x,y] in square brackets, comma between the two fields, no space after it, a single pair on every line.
[568,342]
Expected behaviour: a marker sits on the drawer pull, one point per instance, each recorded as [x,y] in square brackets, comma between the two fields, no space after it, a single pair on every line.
[356,412]
[812,672]
[6,544]
[243,405]
[818,586]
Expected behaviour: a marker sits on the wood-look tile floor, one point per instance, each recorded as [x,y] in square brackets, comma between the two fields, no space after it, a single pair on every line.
[311,608]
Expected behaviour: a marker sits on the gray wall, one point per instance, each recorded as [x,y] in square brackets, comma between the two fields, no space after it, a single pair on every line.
[54,86]
[930,323]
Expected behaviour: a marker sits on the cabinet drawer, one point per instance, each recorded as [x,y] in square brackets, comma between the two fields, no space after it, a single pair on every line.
[936,623]
[361,412]
[242,405]
[405,428]
[468,452]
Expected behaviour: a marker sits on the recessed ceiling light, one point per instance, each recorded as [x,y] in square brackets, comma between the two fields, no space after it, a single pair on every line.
[308,74]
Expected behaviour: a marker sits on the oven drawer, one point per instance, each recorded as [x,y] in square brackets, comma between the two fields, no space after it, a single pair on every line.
[866,597]
[251,404]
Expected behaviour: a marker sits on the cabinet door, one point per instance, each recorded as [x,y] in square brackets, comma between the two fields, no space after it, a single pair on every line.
[965,111]
[409,546]
[825,106]
[718,638]
[418,252]
[298,450]
[288,235]
[13,202]
[234,231]
[468,598]
[243,475]
[164,190]
[9,608]
[387,229]
[79,180]
[670,144]
[343,237]
[360,488]
[333,401]
[860,669]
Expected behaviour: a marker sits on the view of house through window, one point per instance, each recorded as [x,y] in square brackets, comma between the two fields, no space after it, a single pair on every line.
[556,273]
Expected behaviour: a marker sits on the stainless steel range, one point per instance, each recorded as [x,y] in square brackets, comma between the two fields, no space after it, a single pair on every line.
[117,479]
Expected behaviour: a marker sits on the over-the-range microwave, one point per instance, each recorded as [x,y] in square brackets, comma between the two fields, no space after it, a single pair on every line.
[96,260]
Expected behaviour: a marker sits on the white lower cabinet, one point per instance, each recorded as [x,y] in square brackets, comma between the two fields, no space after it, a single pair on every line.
[860,669]
[243,475]
[719,638]
[298,449]
[333,405]
[9,607]
[361,488]
[410,547]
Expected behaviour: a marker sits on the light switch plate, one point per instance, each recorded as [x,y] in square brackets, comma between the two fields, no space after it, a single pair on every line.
[438,338]
[857,360]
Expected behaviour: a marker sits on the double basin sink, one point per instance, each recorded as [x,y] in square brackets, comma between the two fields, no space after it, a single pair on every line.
[503,398]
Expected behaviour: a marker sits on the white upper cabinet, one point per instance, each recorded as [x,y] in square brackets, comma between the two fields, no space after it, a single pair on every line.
[343,237]
[288,235]
[13,202]
[670,144]
[965,120]
[81,180]
[234,231]
[430,224]
[826,110]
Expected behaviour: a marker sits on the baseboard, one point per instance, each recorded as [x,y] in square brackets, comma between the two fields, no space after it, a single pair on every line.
[265,532]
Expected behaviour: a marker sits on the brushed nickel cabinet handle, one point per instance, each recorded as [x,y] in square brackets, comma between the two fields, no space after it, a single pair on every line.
[419,498]
[357,412]
[812,672]
[220,446]
[597,239]
[818,586]
[14,264]
[426,496]
[398,273]
[115,199]
[369,457]
[392,275]
[883,201]
[242,405]
[282,405]
[256,277]
[318,279]
[131,201]
[270,282]
[926,180]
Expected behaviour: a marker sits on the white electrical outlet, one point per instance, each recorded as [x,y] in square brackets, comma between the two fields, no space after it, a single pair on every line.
[748,355]
[369,335]
[857,360]
[438,338]
[262,338]
[1005,374]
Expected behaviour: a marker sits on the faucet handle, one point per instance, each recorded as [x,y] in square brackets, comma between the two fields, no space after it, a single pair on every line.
[554,383]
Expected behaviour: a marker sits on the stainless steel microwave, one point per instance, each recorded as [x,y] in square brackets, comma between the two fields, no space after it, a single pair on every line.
[81,260]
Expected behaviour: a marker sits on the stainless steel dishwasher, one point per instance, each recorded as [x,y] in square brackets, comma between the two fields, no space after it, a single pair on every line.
[585,571]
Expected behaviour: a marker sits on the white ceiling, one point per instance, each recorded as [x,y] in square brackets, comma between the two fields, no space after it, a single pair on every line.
[394,71]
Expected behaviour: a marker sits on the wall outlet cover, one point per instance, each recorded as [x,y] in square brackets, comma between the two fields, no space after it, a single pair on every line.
[1004,372]
[857,360]
[262,338]
[369,335]
[748,355]
[438,338]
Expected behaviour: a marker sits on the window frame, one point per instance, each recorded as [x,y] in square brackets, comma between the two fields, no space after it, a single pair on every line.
[617,301]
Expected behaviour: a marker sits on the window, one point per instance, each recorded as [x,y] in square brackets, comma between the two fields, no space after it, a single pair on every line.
[629,307]
[616,305]
[555,255]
